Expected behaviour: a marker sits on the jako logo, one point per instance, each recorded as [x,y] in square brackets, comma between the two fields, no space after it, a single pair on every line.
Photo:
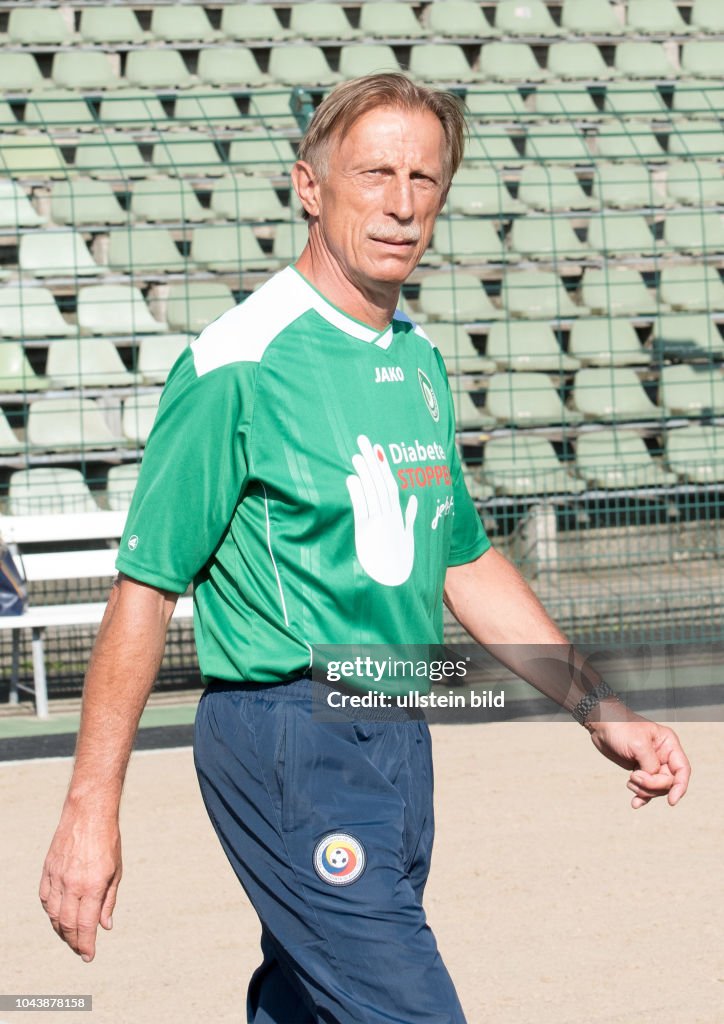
[388,373]
[429,395]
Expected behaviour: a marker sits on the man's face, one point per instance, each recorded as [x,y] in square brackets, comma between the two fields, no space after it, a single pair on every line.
[377,204]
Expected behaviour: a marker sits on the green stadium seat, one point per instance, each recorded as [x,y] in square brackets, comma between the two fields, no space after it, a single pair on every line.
[441,62]
[49,490]
[301,65]
[246,198]
[617,292]
[146,251]
[687,336]
[488,145]
[476,191]
[696,232]
[458,351]
[271,110]
[60,108]
[523,465]
[606,342]
[158,69]
[590,18]
[526,400]
[644,60]
[167,200]
[87,363]
[616,459]
[27,311]
[526,345]
[229,248]
[691,390]
[496,102]
[321,21]
[203,107]
[120,485]
[703,59]
[469,241]
[111,24]
[547,187]
[84,70]
[566,100]
[8,441]
[390,21]
[511,62]
[655,18]
[696,453]
[626,186]
[538,295]
[458,18]
[628,140]
[469,415]
[621,234]
[139,413]
[19,73]
[56,254]
[16,373]
[110,309]
[187,153]
[558,144]
[456,296]
[697,139]
[252,23]
[193,305]
[289,240]
[703,98]
[579,62]
[16,210]
[635,101]
[529,19]
[114,156]
[183,23]
[612,393]
[545,237]
[133,108]
[355,61]
[230,66]
[40,26]
[158,353]
[708,16]
[8,120]
[55,424]
[32,157]
[262,156]
[694,287]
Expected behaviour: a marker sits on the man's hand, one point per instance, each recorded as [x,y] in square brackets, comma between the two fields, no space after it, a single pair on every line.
[80,880]
[653,751]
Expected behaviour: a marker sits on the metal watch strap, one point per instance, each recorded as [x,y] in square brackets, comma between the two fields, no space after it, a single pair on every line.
[586,704]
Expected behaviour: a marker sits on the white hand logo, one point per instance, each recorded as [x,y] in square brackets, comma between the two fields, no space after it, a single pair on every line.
[385,544]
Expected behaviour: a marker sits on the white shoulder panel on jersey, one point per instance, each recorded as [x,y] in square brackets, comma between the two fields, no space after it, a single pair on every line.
[399,315]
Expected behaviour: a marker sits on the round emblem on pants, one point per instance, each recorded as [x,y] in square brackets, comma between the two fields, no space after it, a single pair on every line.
[339,858]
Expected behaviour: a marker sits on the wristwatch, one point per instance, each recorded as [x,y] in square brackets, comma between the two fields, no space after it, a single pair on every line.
[586,704]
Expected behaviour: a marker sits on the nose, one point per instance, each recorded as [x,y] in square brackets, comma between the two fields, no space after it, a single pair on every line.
[399,198]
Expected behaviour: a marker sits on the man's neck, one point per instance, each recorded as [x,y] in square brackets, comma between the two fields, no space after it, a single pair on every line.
[374,308]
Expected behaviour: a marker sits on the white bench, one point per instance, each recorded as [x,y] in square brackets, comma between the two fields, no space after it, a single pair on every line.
[18,532]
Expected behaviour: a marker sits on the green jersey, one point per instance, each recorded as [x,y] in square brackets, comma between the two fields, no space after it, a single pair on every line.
[302,472]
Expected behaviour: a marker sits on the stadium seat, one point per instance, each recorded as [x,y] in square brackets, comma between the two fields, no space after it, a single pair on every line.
[246,198]
[625,186]
[27,311]
[703,98]
[696,453]
[526,345]
[691,390]
[193,305]
[8,441]
[628,140]
[133,108]
[158,353]
[469,415]
[703,59]
[458,351]
[557,144]
[655,18]
[697,139]
[687,336]
[694,287]
[203,107]
[120,485]
[602,341]
[523,465]
[84,70]
[458,18]
[488,145]
[590,18]
[16,373]
[537,295]
[230,66]
[511,62]
[644,60]
[60,108]
[16,210]
[183,23]
[8,120]
[167,199]
[229,248]
[612,393]
[526,400]
[139,412]
[566,101]
[87,363]
[78,423]
[157,69]
[615,459]
[469,240]
[478,190]
[456,296]
[545,237]
[262,156]
[19,73]
[111,24]
[252,23]
[56,254]
[579,62]
[355,61]
[495,102]
[289,240]
[187,153]
[621,234]
[635,101]
[115,156]
[115,309]
[31,158]
[708,16]
[441,62]
[49,490]
[43,26]
[392,21]
[146,251]
[617,292]
[548,187]
[529,19]
[317,21]
[301,65]
[696,232]
[271,110]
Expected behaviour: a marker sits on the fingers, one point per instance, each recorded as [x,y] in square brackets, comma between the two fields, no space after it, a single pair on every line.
[671,751]
[410,513]
[357,497]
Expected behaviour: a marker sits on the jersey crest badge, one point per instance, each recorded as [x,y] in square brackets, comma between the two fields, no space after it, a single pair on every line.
[339,858]
[429,395]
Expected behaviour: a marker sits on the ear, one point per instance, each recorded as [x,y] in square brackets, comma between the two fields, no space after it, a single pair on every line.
[306,185]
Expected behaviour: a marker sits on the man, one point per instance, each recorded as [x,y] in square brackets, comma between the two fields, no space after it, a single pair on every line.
[268,481]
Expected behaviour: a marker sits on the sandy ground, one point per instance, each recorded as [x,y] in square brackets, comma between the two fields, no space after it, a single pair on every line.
[553,902]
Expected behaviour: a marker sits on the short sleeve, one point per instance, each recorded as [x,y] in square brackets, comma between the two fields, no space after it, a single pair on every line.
[192,476]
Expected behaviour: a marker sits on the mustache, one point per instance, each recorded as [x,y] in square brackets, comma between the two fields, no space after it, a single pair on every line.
[389,233]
